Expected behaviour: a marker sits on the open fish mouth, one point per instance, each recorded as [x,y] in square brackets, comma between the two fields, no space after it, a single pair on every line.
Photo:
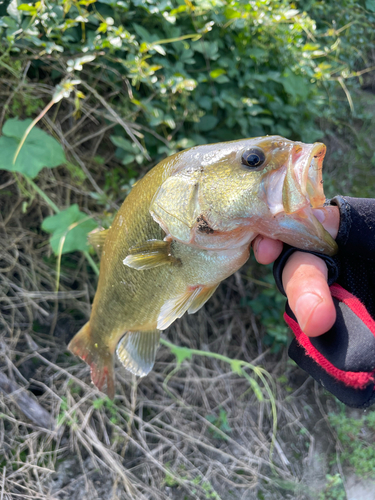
[293,191]
[303,182]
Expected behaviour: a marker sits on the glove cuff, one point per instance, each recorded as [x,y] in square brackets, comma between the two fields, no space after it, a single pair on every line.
[278,267]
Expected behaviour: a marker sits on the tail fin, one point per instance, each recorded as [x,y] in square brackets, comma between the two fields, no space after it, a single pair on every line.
[96,356]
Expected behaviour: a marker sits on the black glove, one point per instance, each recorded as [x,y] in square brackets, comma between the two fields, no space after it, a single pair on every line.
[343,359]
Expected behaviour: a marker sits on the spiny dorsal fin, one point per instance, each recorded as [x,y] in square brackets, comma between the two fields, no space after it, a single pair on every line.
[97,238]
[152,253]
[137,351]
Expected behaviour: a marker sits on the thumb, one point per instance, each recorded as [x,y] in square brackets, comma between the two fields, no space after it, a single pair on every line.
[305,284]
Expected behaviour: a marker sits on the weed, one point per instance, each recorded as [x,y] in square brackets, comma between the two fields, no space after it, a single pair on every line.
[356,436]
[221,422]
[334,489]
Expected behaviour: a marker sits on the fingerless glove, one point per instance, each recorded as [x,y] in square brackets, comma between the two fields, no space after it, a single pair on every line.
[343,359]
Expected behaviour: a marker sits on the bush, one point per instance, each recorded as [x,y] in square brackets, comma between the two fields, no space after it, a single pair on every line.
[181,73]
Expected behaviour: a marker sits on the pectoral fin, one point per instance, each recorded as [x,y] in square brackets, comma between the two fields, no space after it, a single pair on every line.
[204,295]
[97,238]
[177,307]
[137,351]
[152,253]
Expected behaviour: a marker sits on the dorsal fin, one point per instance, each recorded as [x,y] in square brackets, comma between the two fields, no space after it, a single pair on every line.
[151,253]
[97,238]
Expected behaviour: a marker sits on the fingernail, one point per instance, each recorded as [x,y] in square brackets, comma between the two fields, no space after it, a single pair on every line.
[319,214]
[305,307]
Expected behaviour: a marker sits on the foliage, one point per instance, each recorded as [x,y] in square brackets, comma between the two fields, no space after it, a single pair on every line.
[334,489]
[207,488]
[193,73]
[356,436]
[39,150]
[69,230]
[27,149]
[221,422]
[122,84]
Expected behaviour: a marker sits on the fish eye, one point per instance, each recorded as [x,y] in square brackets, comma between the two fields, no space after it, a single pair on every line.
[253,158]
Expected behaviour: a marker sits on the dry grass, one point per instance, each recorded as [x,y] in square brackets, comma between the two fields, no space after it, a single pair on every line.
[154,441]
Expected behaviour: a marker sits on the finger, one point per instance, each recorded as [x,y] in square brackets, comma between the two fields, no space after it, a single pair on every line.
[329,216]
[266,250]
[305,283]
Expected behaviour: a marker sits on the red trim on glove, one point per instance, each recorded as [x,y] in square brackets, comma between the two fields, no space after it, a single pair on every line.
[354,304]
[357,380]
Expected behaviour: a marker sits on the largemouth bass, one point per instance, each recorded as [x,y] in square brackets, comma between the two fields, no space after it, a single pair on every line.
[186,226]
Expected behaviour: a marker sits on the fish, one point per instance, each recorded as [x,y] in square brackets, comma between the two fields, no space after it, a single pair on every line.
[186,226]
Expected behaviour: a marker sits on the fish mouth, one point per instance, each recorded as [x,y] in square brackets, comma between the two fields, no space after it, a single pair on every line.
[303,183]
[293,191]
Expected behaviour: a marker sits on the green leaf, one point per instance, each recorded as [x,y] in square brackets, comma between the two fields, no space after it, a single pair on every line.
[159,49]
[127,158]
[370,5]
[222,79]
[143,33]
[208,122]
[64,224]
[205,102]
[30,9]
[295,85]
[122,143]
[13,11]
[217,72]
[39,149]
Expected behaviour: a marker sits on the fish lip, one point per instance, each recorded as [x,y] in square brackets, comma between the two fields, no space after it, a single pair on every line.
[308,172]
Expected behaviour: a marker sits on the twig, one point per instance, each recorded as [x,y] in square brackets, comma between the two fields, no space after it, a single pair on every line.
[118,118]
[3,484]
[74,154]
[30,408]
[30,127]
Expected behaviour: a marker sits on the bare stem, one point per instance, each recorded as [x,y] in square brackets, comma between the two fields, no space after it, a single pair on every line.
[30,127]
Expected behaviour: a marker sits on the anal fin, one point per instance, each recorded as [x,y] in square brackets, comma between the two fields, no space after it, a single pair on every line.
[137,351]
[152,253]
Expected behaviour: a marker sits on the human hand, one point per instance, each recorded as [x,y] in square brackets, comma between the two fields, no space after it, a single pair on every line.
[305,278]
